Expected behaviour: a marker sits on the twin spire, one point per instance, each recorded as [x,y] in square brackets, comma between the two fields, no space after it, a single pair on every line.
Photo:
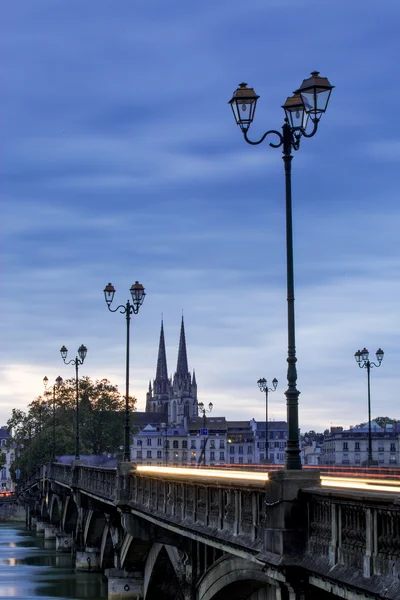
[177,396]
[182,369]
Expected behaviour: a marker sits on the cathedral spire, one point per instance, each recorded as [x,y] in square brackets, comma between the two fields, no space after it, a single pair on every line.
[162,371]
[182,364]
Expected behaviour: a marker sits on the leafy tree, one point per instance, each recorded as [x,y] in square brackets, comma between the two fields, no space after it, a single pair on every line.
[380,421]
[101,420]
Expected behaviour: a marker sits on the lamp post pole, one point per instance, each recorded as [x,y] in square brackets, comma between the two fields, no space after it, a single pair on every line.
[165,428]
[362,358]
[78,360]
[30,449]
[310,100]
[203,410]
[263,385]
[59,381]
[138,294]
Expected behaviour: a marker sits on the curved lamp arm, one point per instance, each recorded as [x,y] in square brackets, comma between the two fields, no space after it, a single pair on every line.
[122,309]
[312,132]
[267,133]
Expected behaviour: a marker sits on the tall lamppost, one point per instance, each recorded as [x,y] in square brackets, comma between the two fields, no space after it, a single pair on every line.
[309,101]
[57,384]
[78,360]
[203,411]
[362,358]
[138,294]
[263,385]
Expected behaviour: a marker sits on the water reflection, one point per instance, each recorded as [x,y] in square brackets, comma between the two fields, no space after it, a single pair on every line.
[31,568]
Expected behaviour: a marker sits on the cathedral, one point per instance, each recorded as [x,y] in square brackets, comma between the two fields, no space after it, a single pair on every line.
[177,396]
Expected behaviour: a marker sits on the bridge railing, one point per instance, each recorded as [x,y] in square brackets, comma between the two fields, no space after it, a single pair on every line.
[98,480]
[234,510]
[61,473]
[356,530]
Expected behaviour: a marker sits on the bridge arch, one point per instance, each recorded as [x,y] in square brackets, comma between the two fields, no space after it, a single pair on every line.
[95,524]
[106,549]
[235,578]
[55,510]
[70,515]
[165,573]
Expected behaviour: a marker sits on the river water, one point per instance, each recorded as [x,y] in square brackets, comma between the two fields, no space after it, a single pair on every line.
[30,567]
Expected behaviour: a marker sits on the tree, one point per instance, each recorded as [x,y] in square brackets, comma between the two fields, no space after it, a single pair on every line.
[101,422]
[380,421]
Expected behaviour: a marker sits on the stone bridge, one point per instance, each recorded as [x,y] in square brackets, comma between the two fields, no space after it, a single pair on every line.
[183,534]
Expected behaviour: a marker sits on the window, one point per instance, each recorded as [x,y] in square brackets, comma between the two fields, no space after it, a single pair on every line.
[212,455]
[159,442]
[184,443]
[276,444]
[232,461]
[249,461]
[184,455]
[249,449]
[193,444]
[212,444]
[357,459]
[357,446]
[262,456]
[345,446]
[175,444]
[222,456]
[380,447]
[159,453]
[392,447]
[393,458]
[232,450]
[240,449]
[381,458]
[139,442]
[222,445]
[139,454]
[240,460]
[282,445]
[149,441]
[148,453]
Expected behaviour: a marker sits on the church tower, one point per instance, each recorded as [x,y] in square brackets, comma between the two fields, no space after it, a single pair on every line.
[157,398]
[184,399]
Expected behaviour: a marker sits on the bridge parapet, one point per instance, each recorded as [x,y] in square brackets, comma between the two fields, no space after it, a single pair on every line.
[357,535]
[97,480]
[61,473]
[228,510]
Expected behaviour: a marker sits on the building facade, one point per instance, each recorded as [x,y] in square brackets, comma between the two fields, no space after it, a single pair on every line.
[350,446]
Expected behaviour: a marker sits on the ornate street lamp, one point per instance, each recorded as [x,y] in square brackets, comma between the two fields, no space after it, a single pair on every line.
[362,358]
[138,294]
[57,384]
[78,360]
[203,411]
[263,385]
[310,101]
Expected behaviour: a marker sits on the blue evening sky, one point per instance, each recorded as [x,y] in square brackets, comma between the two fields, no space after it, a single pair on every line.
[120,161]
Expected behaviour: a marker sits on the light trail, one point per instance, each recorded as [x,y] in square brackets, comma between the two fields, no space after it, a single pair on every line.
[370,485]
[213,473]
[366,484]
